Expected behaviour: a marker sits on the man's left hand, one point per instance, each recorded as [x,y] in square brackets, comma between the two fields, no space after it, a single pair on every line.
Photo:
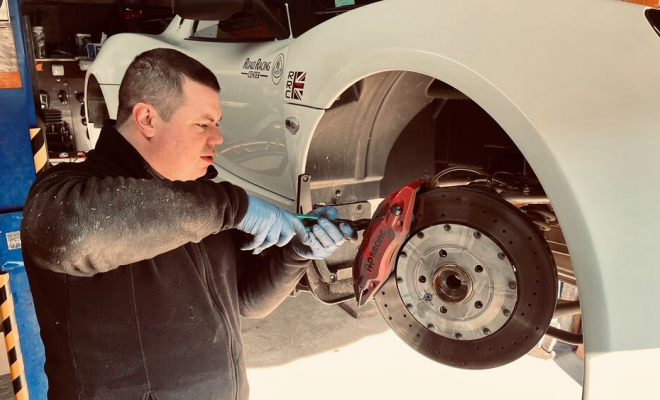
[326,237]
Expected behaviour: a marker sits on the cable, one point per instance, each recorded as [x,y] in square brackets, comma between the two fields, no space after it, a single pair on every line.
[489,177]
[526,178]
[436,178]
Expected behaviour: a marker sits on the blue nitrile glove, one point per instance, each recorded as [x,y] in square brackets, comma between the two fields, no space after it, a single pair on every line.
[270,225]
[326,237]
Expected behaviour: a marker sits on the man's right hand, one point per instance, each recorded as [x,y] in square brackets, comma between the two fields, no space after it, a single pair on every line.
[270,225]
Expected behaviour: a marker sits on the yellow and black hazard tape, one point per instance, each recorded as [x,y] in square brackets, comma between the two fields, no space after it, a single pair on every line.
[39,151]
[10,331]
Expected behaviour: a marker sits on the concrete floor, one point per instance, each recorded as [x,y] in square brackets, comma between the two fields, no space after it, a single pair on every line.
[6,388]
[306,350]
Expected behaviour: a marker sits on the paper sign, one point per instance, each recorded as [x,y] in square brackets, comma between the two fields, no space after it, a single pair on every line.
[10,78]
[4,10]
[13,240]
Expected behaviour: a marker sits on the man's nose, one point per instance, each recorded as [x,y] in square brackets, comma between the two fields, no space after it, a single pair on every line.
[216,137]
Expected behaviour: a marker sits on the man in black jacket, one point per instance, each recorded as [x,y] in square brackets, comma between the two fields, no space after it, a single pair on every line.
[133,259]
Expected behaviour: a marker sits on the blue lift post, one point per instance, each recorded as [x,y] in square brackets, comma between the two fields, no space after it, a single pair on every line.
[17,172]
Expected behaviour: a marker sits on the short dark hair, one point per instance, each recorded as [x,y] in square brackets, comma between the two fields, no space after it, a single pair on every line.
[156,77]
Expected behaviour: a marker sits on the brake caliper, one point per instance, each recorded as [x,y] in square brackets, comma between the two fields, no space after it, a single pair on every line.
[383,238]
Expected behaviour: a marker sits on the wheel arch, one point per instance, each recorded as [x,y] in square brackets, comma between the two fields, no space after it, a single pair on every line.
[545,162]
[97,108]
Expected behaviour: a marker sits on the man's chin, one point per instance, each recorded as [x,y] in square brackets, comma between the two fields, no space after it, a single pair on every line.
[201,173]
[194,175]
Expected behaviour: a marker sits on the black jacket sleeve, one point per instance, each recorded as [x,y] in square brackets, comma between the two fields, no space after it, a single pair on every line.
[78,223]
[265,281]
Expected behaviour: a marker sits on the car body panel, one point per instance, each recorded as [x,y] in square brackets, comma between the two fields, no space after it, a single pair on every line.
[559,80]
[573,83]
[254,144]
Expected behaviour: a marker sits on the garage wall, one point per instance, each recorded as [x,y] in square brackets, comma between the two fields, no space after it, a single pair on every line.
[63,19]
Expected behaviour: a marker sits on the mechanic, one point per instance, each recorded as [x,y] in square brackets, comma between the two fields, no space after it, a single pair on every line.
[134,264]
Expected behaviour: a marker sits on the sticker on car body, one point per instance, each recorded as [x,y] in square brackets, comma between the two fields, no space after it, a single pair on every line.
[295,85]
[278,69]
[256,69]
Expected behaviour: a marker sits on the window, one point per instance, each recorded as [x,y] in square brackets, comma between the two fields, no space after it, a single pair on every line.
[241,27]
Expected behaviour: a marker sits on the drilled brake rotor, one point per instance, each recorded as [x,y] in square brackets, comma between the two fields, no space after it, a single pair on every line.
[475,283]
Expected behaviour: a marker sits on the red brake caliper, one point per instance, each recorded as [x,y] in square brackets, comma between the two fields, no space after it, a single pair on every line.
[383,238]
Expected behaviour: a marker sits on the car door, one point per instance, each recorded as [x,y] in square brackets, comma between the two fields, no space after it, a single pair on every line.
[249,65]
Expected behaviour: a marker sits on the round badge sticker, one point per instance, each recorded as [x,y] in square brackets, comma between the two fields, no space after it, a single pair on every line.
[278,69]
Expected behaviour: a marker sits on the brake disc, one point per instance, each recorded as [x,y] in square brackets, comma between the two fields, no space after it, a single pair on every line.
[475,284]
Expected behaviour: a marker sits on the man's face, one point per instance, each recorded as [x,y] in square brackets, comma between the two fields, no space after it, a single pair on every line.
[183,147]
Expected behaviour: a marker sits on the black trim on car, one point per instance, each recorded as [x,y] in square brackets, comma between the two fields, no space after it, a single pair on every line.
[198,39]
[242,40]
[653,15]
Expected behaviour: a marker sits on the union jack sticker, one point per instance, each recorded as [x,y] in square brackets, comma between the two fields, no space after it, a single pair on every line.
[295,85]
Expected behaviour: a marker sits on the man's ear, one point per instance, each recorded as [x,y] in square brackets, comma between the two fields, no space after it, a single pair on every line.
[144,116]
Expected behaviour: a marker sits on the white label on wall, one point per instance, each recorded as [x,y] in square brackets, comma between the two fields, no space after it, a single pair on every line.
[4,10]
[13,240]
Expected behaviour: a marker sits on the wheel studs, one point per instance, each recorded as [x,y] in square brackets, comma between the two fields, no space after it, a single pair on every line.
[450,283]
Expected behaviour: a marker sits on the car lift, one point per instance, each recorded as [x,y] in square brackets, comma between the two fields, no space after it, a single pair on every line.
[22,152]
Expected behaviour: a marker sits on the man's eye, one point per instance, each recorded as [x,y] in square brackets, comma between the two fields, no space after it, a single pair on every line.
[203,126]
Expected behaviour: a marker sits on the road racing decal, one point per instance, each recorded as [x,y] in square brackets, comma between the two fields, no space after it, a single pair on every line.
[278,69]
[295,85]
[256,69]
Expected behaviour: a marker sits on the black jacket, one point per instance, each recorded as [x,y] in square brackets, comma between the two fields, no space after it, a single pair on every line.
[137,282]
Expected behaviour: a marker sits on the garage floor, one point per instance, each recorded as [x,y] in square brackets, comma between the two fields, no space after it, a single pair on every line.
[6,389]
[308,350]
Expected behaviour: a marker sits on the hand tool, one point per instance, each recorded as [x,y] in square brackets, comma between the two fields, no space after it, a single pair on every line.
[357,225]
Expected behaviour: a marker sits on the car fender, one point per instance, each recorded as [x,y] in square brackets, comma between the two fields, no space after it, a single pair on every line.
[575,86]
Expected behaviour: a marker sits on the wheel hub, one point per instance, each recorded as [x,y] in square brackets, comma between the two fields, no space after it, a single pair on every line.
[439,282]
[452,283]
